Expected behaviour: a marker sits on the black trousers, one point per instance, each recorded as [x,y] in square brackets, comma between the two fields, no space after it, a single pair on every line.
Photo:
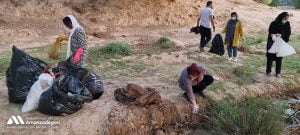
[205,36]
[207,80]
[270,58]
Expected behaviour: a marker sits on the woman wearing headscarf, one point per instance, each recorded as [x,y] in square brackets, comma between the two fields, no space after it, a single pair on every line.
[194,79]
[280,27]
[234,31]
[77,49]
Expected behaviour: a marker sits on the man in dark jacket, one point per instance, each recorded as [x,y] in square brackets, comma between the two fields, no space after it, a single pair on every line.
[279,27]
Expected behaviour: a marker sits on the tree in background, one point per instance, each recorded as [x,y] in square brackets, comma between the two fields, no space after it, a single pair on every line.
[297,4]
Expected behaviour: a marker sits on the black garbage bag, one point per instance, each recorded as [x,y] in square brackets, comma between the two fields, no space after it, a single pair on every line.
[217,45]
[23,71]
[195,30]
[90,80]
[67,94]
[93,83]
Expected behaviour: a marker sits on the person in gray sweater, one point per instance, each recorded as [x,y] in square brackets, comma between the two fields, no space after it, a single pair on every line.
[194,79]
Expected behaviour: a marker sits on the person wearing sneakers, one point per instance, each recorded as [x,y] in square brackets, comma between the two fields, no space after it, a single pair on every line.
[233,32]
[206,21]
[280,27]
[194,79]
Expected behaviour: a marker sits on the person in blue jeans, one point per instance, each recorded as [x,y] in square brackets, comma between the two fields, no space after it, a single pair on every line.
[234,32]
[206,22]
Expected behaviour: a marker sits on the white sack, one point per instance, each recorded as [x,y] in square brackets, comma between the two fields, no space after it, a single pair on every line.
[36,90]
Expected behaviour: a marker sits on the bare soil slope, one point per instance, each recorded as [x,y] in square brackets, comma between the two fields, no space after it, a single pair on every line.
[29,23]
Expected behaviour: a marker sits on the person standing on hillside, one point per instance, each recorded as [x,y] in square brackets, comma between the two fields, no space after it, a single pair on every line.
[77,49]
[194,79]
[280,27]
[234,31]
[206,22]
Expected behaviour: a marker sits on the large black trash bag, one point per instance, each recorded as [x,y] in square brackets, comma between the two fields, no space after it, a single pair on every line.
[93,83]
[90,80]
[66,96]
[23,71]
[217,45]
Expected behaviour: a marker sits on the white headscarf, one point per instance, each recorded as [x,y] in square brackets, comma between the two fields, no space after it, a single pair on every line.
[75,25]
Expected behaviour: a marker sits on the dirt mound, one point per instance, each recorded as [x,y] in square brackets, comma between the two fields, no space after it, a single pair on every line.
[117,12]
[136,120]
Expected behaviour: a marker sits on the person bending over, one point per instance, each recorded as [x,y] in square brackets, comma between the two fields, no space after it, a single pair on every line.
[194,79]
[77,50]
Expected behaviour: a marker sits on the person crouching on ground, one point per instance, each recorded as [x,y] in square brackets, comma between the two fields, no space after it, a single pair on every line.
[194,79]
[77,50]
[280,27]
[234,31]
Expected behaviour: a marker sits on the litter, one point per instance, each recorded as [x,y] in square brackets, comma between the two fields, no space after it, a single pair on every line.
[23,71]
[136,95]
[67,94]
[44,82]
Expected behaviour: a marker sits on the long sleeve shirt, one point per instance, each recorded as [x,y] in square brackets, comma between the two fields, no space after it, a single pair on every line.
[187,84]
[78,40]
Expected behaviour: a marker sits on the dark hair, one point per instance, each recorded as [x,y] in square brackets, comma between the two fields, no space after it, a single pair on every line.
[209,3]
[67,20]
[280,17]
[193,70]
[234,13]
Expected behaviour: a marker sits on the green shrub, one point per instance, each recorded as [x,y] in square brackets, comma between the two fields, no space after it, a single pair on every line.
[116,48]
[243,72]
[4,63]
[165,43]
[274,3]
[217,86]
[254,116]
[267,2]
[297,4]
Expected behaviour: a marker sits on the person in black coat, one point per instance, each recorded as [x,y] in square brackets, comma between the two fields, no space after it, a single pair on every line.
[279,27]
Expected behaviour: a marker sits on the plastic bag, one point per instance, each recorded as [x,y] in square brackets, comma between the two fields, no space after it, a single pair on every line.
[67,94]
[275,46]
[195,30]
[23,71]
[93,83]
[217,45]
[55,48]
[285,49]
[43,84]
[281,48]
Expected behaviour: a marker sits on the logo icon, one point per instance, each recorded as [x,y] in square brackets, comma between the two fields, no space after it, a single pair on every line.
[15,119]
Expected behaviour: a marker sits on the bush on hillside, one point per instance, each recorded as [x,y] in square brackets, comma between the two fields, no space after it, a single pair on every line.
[165,43]
[116,48]
[297,4]
[267,2]
[274,3]
[254,116]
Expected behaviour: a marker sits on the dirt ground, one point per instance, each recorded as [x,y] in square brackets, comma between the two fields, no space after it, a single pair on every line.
[29,24]
[37,23]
